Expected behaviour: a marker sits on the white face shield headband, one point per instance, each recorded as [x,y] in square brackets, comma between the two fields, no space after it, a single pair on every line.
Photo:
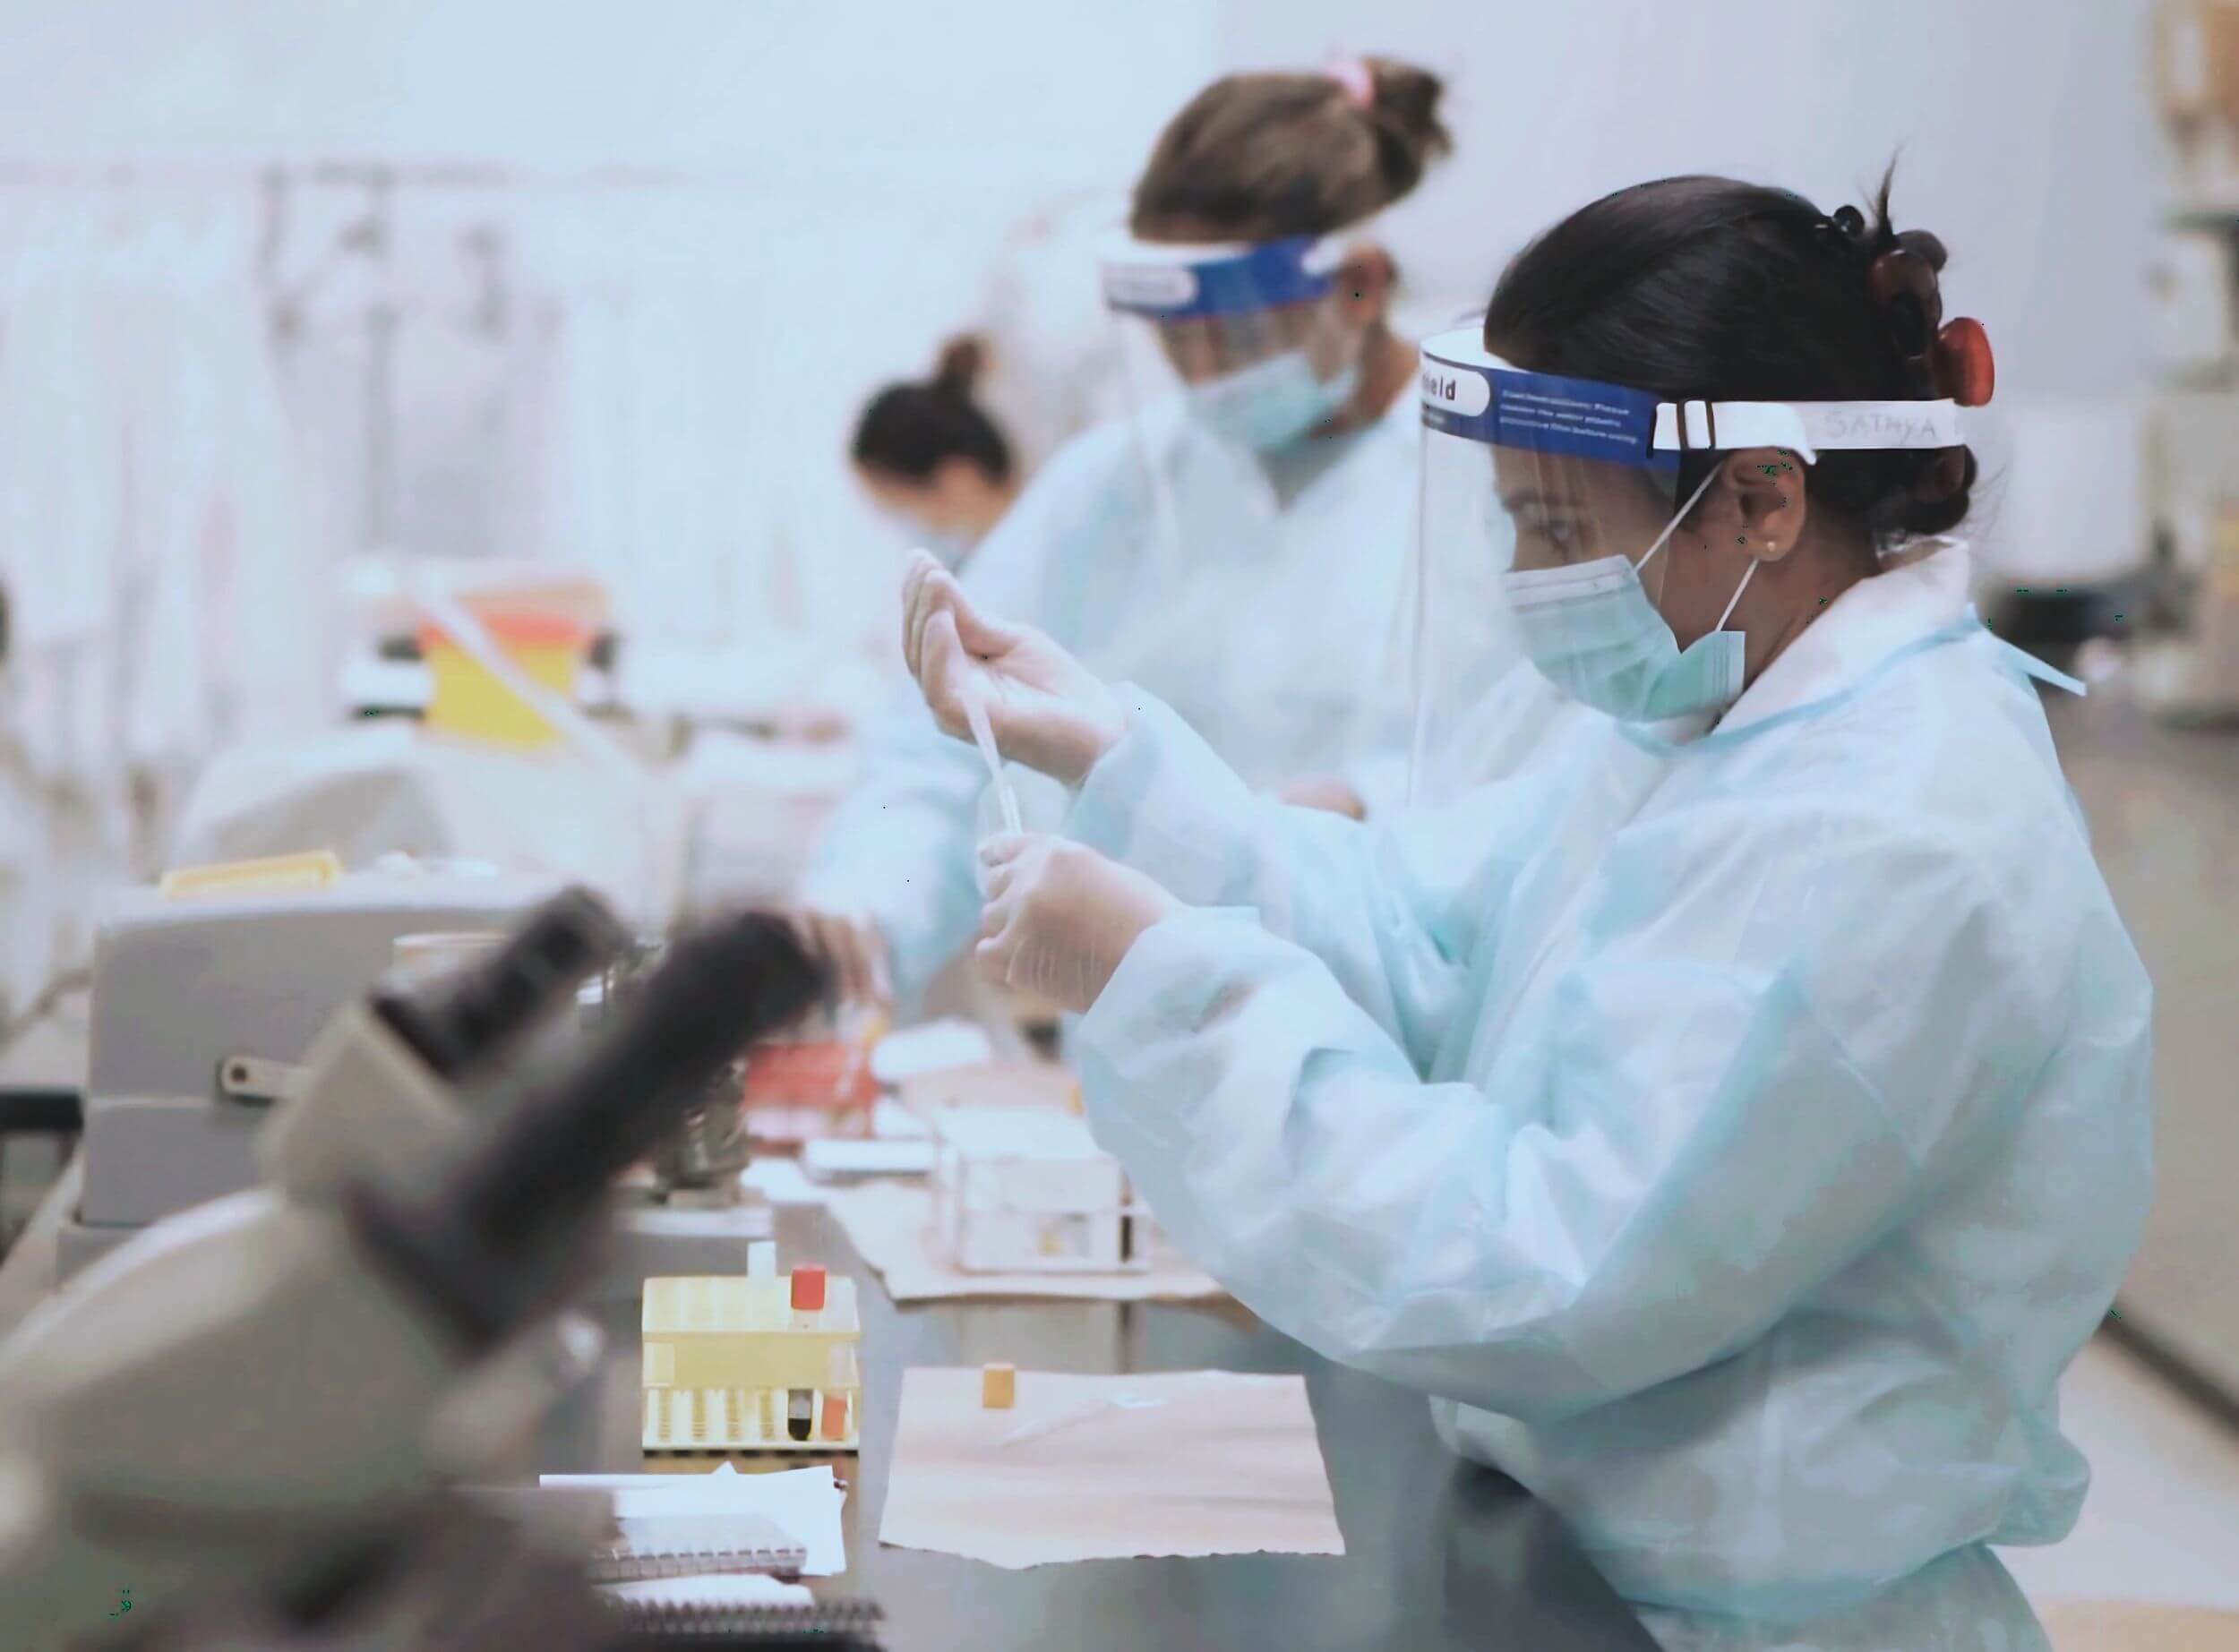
[1243,336]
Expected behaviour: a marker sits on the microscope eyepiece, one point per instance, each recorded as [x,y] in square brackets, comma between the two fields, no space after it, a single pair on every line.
[482,1245]
[468,1019]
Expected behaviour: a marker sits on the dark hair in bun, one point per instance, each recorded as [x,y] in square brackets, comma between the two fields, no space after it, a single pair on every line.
[1702,288]
[1258,157]
[909,429]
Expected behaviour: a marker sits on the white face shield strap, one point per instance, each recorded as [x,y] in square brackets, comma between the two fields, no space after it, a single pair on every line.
[1546,502]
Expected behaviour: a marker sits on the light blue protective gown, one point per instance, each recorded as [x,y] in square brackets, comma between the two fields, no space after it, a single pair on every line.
[1268,627]
[1736,1135]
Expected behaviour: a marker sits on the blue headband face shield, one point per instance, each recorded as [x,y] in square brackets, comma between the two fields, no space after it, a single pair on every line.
[1551,518]
[1248,341]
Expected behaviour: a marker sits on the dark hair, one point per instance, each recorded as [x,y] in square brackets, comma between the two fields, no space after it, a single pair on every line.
[1702,288]
[910,428]
[1257,157]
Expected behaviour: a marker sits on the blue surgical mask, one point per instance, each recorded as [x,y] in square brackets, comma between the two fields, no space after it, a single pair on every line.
[1271,404]
[1591,630]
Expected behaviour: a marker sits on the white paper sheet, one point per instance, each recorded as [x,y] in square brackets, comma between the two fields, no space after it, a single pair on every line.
[1093,1468]
[806,1502]
[890,1226]
[736,1588]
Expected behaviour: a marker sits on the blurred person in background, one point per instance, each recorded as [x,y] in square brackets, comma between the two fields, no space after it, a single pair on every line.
[1239,545]
[933,461]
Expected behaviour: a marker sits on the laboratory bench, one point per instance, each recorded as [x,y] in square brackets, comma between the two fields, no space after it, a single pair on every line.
[1439,1552]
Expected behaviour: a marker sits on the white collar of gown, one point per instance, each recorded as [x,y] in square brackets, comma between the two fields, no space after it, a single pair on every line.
[1861,629]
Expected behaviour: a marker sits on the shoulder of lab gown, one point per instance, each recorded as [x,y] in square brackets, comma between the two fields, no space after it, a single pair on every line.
[1742,1027]
[899,848]
[1278,629]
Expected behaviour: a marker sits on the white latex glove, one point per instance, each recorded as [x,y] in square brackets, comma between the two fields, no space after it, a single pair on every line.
[1327,793]
[1048,711]
[1061,916]
[857,948]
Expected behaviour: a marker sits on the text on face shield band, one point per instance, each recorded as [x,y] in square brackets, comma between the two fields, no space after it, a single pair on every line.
[1166,283]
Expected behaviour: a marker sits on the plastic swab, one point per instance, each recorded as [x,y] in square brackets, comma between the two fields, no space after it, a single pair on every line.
[975,714]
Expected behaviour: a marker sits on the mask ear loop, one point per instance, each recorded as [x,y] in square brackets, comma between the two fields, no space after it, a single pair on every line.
[1681,515]
[1748,574]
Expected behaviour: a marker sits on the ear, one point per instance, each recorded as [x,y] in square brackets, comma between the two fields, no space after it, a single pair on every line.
[1759,504]
[1364,283]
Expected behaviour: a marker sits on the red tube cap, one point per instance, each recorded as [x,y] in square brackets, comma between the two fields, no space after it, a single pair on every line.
[808,1289]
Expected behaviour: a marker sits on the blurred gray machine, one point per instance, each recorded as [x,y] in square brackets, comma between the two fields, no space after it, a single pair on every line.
[204,1006]
[256,1425]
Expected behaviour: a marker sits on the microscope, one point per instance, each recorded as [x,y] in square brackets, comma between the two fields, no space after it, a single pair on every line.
[256,1421]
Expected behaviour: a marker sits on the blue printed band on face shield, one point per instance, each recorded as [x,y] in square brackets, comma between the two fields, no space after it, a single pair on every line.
[1543,413]
[1218,281]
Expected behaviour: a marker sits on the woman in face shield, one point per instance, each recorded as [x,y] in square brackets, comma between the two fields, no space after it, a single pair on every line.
[1735,1119]
[1238,544]
[930,457]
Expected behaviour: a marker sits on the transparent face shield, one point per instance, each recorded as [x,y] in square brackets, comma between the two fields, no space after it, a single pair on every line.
[1551,507]
[1245,342]
[1235,355]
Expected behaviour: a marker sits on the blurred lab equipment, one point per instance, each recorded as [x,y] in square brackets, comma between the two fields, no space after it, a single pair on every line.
[506,766]
[2067,526]
[203,1008]
[405,1280]
[2196,65]
[2184,664]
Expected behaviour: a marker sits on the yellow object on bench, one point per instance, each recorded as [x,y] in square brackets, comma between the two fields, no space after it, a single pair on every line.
[274,874]
[469,699]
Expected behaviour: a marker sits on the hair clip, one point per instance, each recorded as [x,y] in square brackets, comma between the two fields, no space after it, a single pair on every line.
[1965,370]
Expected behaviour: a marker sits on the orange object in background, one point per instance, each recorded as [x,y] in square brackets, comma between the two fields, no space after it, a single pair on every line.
[468,700]
[805,1091]
[836,1416]
[808,1289]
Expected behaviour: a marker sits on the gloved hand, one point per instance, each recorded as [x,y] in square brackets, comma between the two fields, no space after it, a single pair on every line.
[857,948]
[1327,793]
[1046,709]
[1061,916]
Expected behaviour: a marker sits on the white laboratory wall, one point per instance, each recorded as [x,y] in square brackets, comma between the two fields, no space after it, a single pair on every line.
[863,162]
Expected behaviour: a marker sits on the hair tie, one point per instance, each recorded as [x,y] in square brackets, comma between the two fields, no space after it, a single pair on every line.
[1839,233]
[1357,79]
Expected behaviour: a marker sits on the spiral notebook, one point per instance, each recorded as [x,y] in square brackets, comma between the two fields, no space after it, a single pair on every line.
[825,1626]
[685,1545]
